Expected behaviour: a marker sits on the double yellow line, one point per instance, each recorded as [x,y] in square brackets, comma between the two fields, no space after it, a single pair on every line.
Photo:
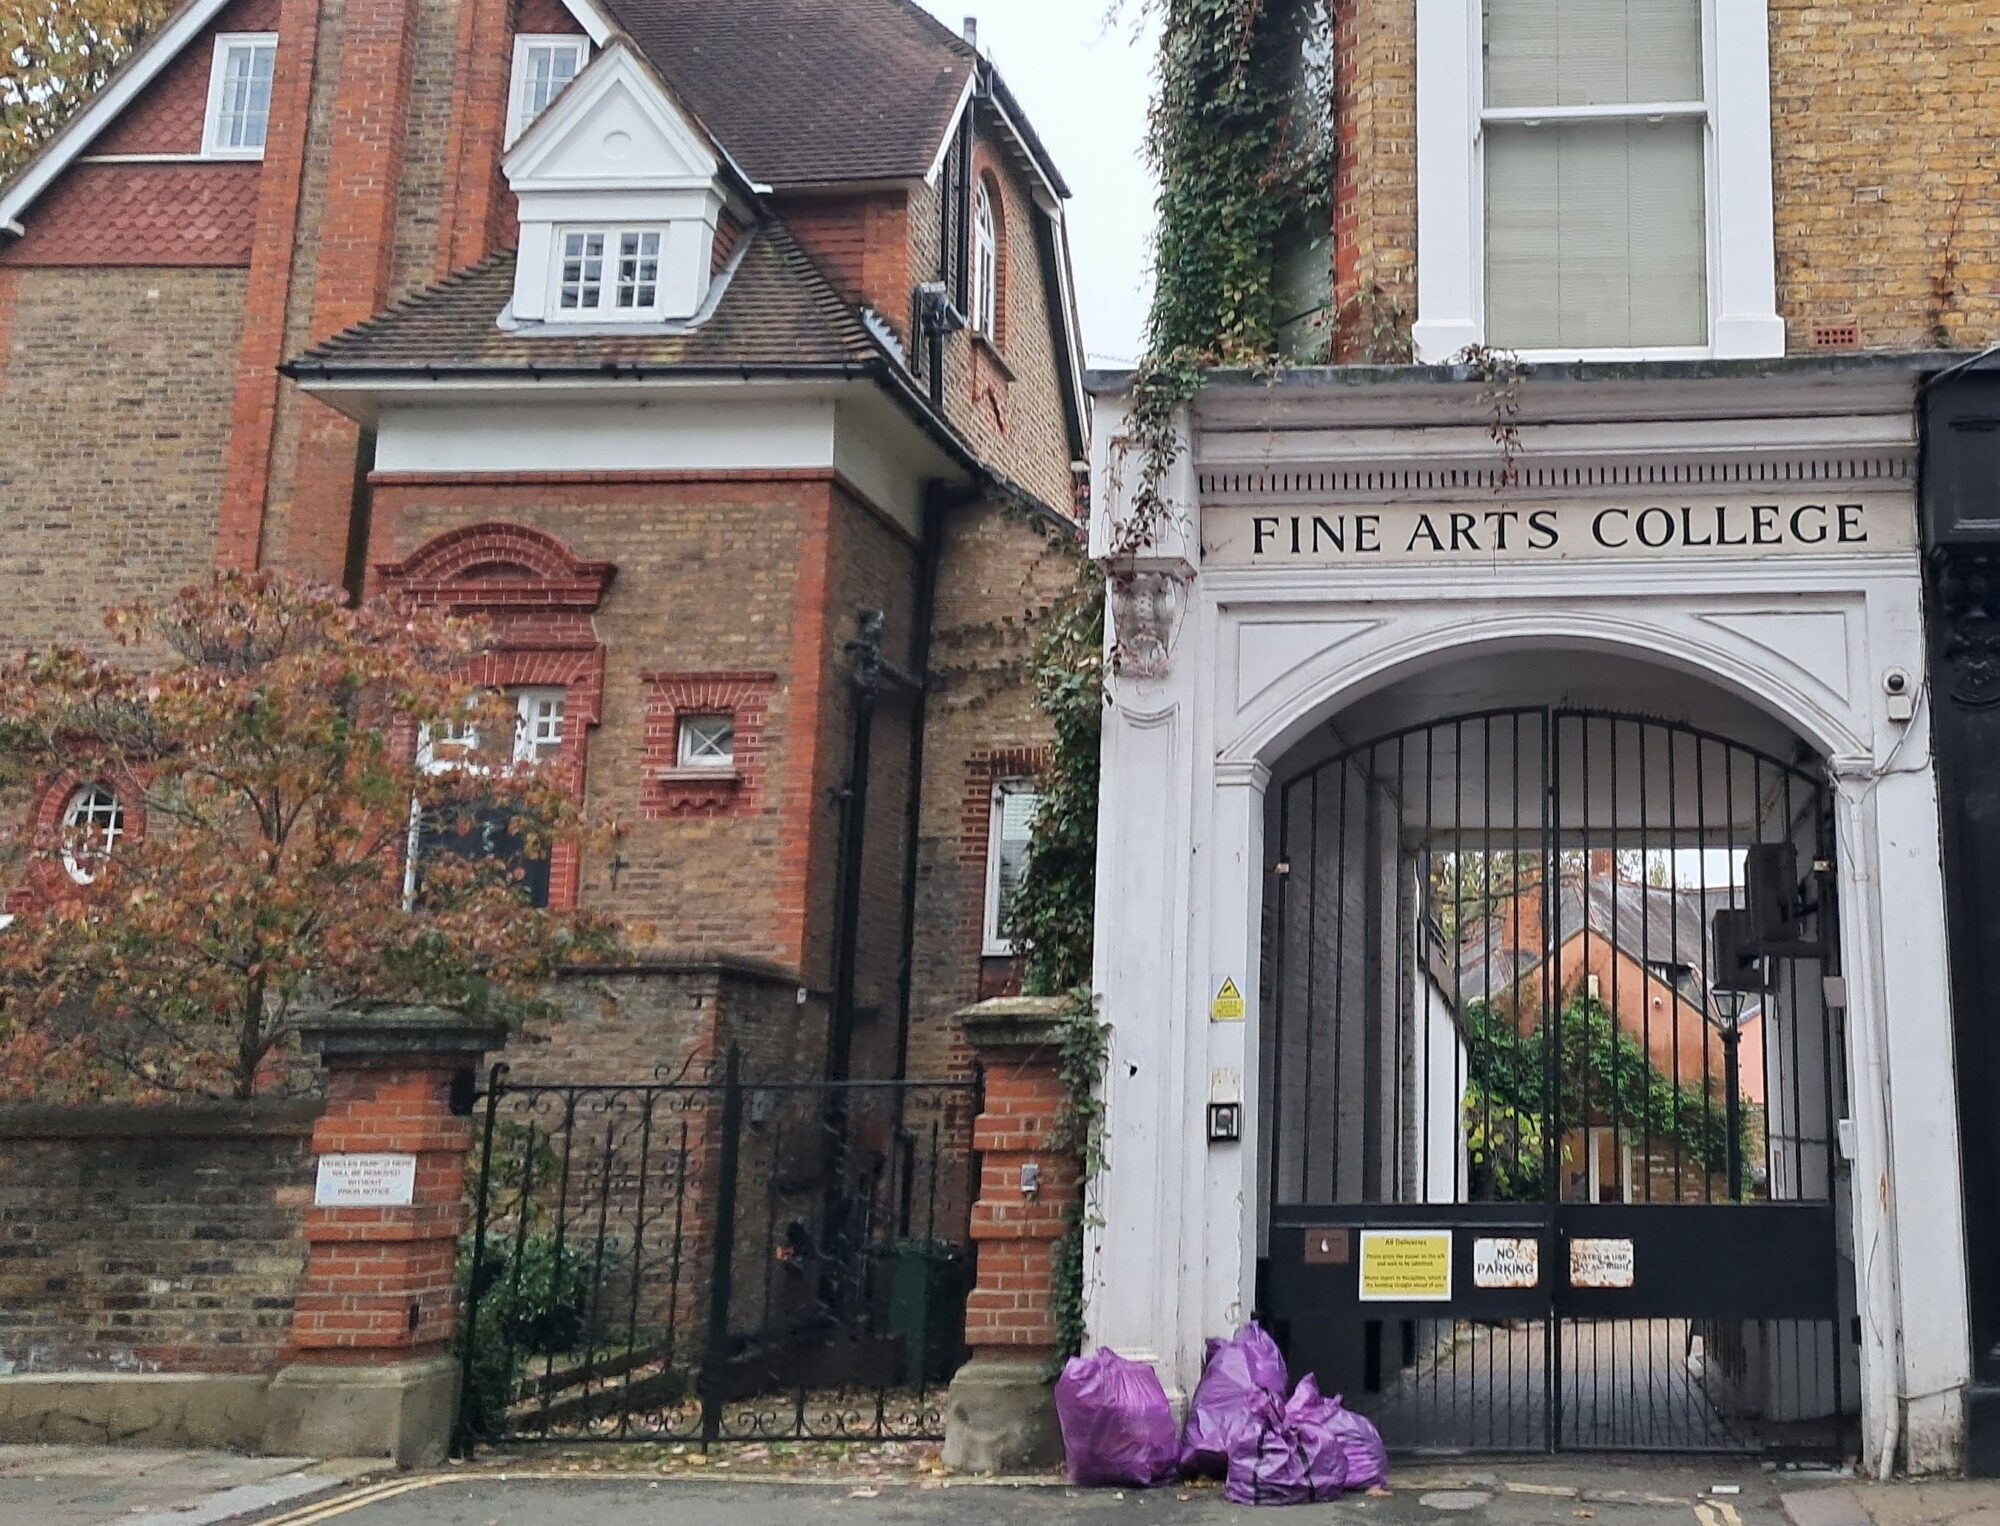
[373,1494]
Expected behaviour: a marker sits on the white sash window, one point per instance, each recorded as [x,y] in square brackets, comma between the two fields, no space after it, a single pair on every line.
[1594,179]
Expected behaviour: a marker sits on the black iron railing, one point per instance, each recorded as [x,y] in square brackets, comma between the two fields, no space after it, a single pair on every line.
[710,1257]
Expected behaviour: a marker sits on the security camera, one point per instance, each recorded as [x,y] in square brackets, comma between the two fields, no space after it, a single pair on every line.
[1901,690]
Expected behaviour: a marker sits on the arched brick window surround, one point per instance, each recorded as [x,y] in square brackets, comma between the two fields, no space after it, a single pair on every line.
[539,600]
[46,876]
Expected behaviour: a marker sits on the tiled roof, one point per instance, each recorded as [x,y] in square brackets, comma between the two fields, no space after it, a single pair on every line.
[777,310]
[808,92]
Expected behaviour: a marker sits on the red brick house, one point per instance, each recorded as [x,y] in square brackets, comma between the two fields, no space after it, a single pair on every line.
[722,352]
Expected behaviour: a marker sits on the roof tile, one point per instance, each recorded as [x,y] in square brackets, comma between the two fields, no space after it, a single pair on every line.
[869,87]
[777,310]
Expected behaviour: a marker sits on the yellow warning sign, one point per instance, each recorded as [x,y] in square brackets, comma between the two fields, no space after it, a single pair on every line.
[1228,1006]
[1405,1266]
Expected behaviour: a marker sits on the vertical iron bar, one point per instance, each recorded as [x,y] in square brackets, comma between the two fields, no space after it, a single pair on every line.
[1551,1063]
[1280,1008]
[1707,982]
[652,1099]
[1674,930]
[1340,1110]
[556,1255]
[721,1261]
[1312,997]
[495,1079]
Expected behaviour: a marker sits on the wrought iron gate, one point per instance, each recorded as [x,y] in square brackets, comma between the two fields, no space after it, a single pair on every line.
[1551,1150]
[706,1257]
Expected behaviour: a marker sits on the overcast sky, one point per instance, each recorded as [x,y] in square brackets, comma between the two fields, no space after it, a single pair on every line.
[1085,83]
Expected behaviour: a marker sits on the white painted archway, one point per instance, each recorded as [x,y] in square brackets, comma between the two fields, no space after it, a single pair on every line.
[1261,657]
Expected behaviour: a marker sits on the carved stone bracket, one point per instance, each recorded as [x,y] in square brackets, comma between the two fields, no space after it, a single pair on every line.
[1966,585]
[1149,601]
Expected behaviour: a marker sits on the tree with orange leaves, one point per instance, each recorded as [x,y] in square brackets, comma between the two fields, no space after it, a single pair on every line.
[269,824]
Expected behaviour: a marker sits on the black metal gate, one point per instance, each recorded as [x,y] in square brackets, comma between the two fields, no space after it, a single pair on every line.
[1551,1146]
[707,1257]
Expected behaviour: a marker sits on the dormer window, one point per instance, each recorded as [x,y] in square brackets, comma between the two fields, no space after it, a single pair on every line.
[239,95]
[619,194]
[609,271]
[542,66]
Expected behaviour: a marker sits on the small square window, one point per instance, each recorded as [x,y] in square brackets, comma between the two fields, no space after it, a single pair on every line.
[1012,828]
[239,95]
[708,741]
[542,67]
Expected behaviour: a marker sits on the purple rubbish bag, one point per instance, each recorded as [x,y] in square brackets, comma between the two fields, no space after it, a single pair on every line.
[1243,1377]
[1360,1443]
[1289,1456]
[1116,1425]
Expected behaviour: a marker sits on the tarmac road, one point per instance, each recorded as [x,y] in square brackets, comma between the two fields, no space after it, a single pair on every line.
[1606,1491]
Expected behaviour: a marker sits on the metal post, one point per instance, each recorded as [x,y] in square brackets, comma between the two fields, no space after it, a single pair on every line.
[715,1355]
[1732,1040]
[469,1314]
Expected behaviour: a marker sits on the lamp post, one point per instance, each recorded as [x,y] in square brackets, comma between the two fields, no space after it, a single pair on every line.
[1729,1005]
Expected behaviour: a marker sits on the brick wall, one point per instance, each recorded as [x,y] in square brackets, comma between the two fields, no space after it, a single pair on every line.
[111,455]
[1885,164]
[998,578]
[155,214]
[1375,215]
[1005,397]
[1884,161]
[151,1239]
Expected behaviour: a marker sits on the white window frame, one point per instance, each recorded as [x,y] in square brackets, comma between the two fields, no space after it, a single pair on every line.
[685,742]
[447,754]
[1743,321]
[75,853]
[985,296]
[606,308]
[993,944]
[525,45]
[227,43]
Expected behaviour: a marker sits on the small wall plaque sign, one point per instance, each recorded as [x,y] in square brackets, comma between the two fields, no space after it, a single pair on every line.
[366,1181]
[1507,1263]
[1601,1263]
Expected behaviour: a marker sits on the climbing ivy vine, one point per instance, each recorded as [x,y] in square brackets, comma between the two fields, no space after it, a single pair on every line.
[1241,139]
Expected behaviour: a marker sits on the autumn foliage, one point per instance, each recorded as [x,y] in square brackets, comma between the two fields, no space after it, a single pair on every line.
[262,743]
[54,54]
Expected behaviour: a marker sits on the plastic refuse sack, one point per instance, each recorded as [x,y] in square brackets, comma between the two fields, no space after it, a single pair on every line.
[1361,1444]
[1243,1377]
[1291,1456]
[1116,1425]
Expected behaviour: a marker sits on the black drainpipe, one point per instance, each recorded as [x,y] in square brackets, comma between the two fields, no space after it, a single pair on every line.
[939,501]
[866,650]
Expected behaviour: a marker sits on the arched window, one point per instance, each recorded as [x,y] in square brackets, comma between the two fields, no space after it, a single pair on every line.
[92,822]
[985,265]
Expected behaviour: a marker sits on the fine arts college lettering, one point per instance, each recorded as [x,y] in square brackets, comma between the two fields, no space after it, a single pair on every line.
[1239,536]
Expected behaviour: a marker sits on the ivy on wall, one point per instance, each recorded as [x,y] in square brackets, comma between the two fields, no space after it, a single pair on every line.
[1241,139]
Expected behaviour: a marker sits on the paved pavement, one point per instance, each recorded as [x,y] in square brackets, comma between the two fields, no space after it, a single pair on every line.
[90,1486]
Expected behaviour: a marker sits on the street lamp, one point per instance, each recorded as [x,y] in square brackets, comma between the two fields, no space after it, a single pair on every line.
[1730,1026]
[1739,974]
